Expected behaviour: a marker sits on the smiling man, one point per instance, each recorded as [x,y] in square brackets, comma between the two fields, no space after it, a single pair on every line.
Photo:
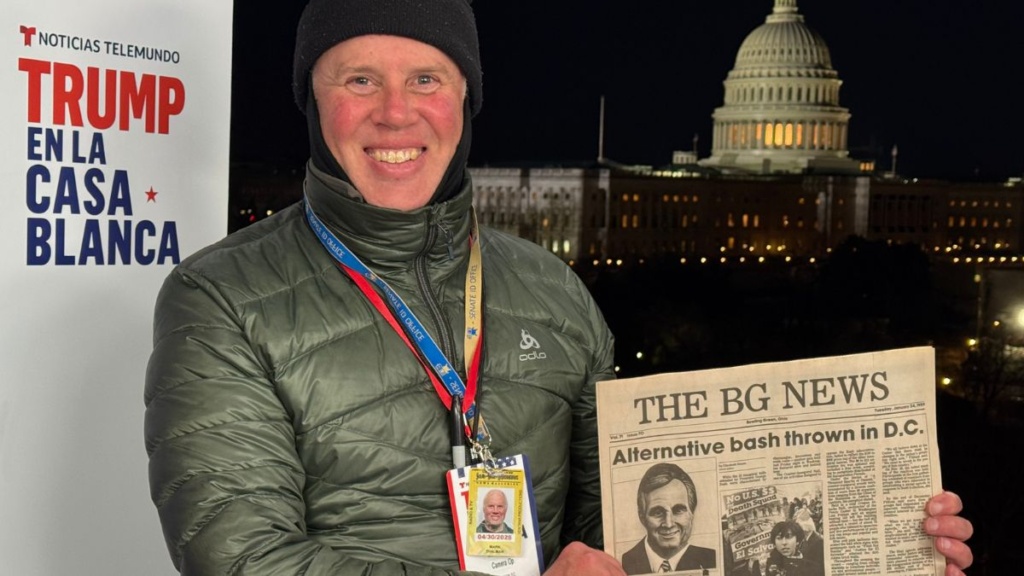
[495,509]
[666,499]
[303,383]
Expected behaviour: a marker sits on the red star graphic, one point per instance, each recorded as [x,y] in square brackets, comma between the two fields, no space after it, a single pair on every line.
[151,195]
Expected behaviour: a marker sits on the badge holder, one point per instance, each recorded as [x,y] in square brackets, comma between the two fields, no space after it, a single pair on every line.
[495,517]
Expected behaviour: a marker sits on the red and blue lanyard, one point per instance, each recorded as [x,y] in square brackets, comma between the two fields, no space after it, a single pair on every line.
[445,379]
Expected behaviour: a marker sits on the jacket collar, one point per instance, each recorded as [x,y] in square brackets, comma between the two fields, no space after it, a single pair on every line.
[392,239]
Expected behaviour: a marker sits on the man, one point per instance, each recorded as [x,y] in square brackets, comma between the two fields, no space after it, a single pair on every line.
[813,548]
[494,510]
[665,502]
[294,424]
[291,427]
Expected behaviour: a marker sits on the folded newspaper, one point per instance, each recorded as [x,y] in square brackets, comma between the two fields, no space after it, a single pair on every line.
[816,467]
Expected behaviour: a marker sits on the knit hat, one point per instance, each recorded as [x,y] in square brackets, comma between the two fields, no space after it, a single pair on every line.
[447,25]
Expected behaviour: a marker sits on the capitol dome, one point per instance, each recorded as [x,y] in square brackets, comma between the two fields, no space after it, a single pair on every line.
[781,108]
[783,42]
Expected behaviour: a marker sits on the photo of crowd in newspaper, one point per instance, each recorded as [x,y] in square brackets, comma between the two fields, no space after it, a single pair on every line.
[774,530]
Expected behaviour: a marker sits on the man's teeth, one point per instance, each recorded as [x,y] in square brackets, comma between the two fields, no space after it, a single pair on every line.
[395,156]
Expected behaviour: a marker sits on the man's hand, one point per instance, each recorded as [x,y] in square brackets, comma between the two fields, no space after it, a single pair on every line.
[578,559]
[950,531]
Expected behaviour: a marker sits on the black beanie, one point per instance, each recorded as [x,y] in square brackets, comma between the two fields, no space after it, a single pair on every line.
[447,25]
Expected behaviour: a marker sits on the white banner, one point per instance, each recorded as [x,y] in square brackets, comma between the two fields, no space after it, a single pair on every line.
[114,118]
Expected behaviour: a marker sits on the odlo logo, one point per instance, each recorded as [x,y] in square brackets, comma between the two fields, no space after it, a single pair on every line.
[529,342]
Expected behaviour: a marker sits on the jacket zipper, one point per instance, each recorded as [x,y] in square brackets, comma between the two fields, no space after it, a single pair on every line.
[423,282]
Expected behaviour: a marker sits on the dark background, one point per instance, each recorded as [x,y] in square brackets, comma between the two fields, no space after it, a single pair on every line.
[937,78]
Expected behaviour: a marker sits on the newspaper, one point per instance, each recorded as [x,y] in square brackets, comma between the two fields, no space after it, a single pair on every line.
[707,472]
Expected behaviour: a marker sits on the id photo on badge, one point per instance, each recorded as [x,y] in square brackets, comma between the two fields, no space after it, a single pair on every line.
[494,509]
[495,512]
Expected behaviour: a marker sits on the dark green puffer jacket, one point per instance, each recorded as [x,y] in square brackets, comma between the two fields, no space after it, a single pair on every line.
[291,431]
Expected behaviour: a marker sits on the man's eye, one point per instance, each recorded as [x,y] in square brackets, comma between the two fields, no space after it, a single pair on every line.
[679,509]
[425,83]
[360,84]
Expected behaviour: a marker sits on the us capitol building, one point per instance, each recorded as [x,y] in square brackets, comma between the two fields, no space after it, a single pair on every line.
[779,181]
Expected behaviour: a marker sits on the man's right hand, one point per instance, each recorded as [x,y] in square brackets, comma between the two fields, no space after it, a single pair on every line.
[578,559]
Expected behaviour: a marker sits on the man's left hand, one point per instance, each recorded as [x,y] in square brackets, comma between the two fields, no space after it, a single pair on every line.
[950,531]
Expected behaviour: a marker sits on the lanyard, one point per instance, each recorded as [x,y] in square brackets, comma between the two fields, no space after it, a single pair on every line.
[446,380]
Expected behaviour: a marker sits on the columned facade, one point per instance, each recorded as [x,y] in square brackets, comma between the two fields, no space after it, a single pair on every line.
[781,108]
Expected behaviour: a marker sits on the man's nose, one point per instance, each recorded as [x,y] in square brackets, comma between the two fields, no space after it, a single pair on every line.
[396,108]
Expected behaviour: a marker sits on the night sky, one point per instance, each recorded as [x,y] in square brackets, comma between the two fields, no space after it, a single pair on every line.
[937,78]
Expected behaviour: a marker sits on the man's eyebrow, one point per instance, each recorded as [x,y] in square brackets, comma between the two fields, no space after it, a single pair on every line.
[438,69]
[343,69]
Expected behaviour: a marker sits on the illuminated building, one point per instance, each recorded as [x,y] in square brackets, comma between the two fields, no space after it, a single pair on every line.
[778,184]
[781,108]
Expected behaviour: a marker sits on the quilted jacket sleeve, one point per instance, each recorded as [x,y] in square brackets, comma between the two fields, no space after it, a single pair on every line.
[583,505]
[223,469]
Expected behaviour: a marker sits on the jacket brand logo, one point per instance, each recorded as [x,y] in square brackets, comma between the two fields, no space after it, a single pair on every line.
[528,342]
